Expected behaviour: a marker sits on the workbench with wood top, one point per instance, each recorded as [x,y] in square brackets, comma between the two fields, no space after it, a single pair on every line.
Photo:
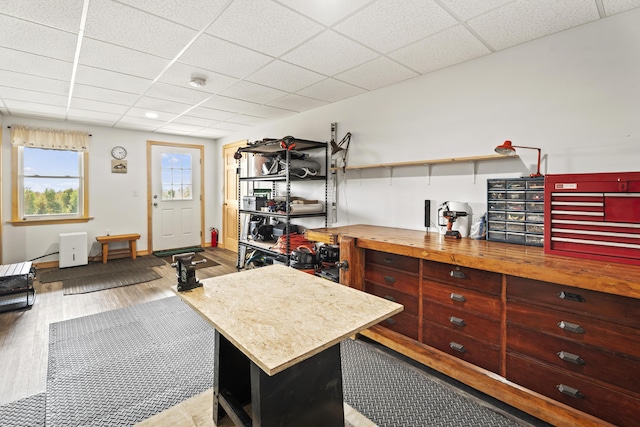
[554,336]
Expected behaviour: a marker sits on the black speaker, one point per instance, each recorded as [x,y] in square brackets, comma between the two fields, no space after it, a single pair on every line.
[427,214]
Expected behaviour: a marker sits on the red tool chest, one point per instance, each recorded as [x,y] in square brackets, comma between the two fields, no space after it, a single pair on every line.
[595,216]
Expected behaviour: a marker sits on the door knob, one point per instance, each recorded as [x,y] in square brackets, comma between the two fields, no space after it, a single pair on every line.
[155,204]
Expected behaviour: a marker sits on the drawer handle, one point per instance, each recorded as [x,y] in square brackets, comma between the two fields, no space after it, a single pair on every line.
[570,357]
[570,296]
[457,347]
[388,260]
[390,321]
[570,391]
[389,279]
[457,321]
[571,327]
[457,274]
[458,297]
[390,298]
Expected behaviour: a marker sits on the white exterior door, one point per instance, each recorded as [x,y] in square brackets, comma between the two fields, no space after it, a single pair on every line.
[176,200]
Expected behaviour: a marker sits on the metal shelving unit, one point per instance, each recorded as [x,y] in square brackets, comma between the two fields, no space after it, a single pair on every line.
[283,147]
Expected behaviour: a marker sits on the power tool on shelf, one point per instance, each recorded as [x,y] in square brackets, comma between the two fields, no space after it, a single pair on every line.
[451,218]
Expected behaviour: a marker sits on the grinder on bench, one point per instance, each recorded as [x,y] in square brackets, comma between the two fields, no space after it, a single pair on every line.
[186,271]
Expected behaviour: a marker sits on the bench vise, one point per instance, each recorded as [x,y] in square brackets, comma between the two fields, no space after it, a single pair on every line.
[186,271]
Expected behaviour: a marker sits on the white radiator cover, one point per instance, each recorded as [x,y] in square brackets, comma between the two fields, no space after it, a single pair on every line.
[73,249]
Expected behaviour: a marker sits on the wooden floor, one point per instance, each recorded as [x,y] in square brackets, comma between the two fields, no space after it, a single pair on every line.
[24,335]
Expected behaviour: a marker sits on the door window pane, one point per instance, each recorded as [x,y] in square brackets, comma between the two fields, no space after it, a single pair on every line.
[176,177]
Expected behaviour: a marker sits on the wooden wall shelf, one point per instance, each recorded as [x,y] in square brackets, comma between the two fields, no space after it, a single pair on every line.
[471,159]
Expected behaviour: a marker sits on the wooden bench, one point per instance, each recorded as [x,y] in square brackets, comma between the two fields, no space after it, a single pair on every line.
[105,240]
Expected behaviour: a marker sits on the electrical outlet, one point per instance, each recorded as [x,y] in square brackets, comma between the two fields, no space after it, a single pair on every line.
[134,193]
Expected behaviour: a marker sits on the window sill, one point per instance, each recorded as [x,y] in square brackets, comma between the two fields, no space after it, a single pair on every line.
[20,223]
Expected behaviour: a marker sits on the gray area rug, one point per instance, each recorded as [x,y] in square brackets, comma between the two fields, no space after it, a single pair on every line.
[96,268]
[120,367]
[83,285]
[27,412]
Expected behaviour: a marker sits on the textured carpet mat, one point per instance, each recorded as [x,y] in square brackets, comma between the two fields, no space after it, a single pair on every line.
[83,285]
[27,412]
[121,367]
[96,268]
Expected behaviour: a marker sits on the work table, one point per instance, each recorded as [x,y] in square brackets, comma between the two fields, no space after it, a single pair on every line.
[554,336]
[524,261]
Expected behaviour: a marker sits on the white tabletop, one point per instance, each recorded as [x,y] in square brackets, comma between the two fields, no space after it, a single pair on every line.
[278,316]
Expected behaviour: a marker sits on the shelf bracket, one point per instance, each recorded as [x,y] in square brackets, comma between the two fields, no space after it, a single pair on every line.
[429,166]
[475,169]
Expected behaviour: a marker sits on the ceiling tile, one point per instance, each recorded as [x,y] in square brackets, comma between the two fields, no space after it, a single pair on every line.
[447,48]
[27,63]
[211,53]
[107,56]
[97,77]
[285,76]
[210,113]
[85,104]
[136,120]
[612,7]
[32,96]
[246,120]
[387,25]
[106,95]
[180,74]
[154,104]
[295,102]
[267,112]
[331,90]
[194,14]
[252,92]
[328,12]
[465,9]
[177,93]
[376,74]
[343,54]
[30,108]
[234,127]
[134,126]
[179,127]
[39,84]
[211,133]
[106,119]
[63,15]
[38,39]
[263,25]
[523,20]
[194,121]
[125,26]
[228,104]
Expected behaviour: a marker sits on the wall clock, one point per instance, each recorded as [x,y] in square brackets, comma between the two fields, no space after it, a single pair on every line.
[118,152]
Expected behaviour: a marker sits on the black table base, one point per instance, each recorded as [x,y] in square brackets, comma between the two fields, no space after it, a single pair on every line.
[308,393]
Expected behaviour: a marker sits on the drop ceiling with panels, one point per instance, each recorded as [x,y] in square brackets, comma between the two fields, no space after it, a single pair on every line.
[112,63]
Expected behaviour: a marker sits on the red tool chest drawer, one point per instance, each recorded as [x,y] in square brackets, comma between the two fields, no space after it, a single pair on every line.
[595,216]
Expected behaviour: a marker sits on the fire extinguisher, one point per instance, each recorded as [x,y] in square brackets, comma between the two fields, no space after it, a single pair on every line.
[214,237]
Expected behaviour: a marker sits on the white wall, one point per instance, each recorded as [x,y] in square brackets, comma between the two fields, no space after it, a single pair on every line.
[575,94]
[111,201]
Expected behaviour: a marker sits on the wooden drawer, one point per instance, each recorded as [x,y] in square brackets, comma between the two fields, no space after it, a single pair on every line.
[400,262]
[575,357]
[409,302]
[605,335]
[471,325]
[604,306]
[470,278]
[402,323]
[610,405]
[392,278]
[461,346]
[464,299]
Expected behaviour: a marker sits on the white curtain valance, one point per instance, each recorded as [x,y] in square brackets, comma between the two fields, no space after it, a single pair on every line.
[52,139]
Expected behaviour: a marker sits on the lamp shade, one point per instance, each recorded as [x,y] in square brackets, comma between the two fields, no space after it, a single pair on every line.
[506,149]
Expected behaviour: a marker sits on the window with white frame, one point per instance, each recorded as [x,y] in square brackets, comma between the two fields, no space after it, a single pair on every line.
[49,176]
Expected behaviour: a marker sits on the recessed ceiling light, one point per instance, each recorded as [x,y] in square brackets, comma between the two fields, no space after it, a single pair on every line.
[151,115]
[197,82]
